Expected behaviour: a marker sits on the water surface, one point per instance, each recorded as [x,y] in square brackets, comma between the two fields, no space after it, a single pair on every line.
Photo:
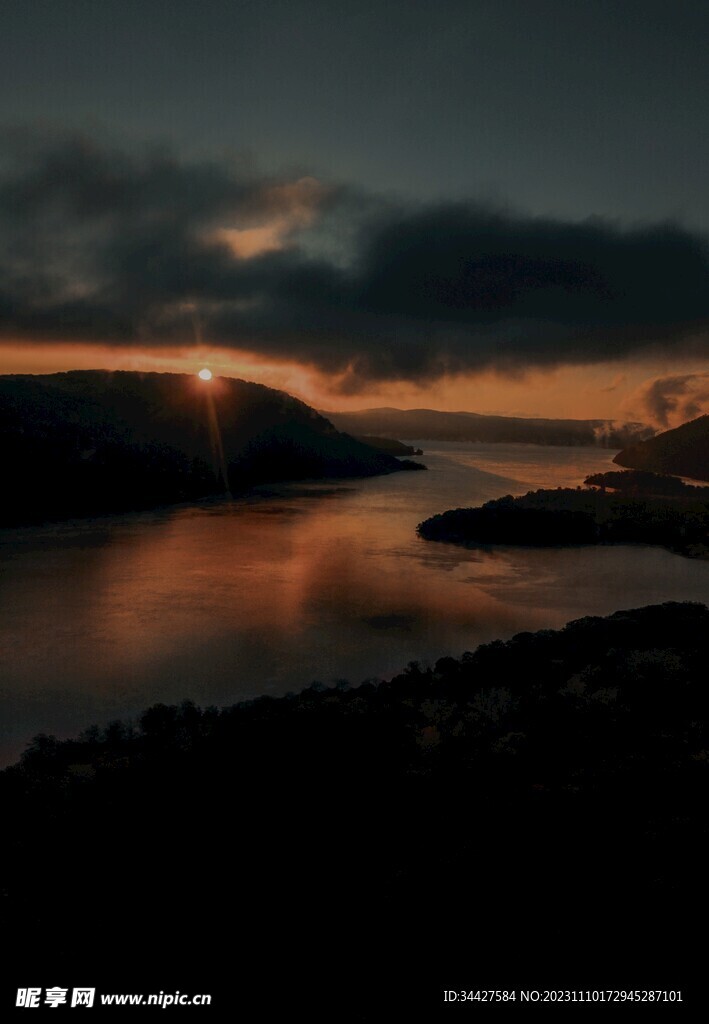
[221,601]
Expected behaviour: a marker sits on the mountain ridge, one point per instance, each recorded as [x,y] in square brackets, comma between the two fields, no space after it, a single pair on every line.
[435,424]
[87,442]
[681,451]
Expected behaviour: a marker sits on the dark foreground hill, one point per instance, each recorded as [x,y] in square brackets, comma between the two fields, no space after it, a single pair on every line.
[532,815]
[475,427]
[389,445]
[92,441]
[683,451]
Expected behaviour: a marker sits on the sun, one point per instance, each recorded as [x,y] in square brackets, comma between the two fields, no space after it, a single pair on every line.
[205,374]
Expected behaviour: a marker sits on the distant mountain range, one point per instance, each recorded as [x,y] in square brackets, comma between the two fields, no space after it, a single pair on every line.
[431,424]
[683,451]
[87,442]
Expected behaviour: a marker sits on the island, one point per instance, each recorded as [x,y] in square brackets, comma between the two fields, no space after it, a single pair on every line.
[645,483]
[564,516]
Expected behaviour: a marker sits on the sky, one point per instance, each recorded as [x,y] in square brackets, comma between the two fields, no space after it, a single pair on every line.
[495,206]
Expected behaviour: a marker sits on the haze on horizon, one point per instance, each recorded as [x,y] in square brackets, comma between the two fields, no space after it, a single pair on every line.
[482,206]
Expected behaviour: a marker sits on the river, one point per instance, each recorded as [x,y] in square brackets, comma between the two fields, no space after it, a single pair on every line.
[221,601]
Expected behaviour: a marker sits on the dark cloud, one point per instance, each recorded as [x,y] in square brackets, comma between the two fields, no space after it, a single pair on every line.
[99,245]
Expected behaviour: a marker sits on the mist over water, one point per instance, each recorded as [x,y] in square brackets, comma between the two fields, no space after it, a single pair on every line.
[222,601]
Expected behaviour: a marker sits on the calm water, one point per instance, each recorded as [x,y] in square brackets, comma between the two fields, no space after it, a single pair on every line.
[228,600]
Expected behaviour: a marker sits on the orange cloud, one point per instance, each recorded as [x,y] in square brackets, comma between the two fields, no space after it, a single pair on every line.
[288,207]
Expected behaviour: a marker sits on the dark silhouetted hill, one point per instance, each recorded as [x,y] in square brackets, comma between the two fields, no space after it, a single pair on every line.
[389,445]
[549,518]
[530,815]
[87,442]
[471,426]
[683,451]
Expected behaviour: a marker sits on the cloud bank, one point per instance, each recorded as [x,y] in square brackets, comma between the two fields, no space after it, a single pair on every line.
[103,245]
